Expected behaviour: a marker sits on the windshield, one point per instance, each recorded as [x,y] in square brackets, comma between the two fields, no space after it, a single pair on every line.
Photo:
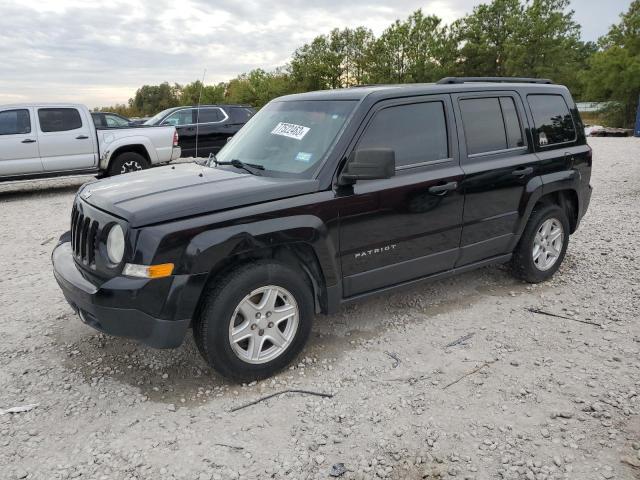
[157,117]
[289,137]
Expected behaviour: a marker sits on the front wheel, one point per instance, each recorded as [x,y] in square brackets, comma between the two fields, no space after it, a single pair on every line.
[255,320]
[543,244]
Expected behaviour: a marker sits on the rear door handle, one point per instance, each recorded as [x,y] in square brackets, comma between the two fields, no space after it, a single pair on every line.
[28,140]
[443,189]
[521,172]
[81,137]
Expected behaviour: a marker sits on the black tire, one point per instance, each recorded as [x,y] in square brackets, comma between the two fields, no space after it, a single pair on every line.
[523,265]
[224,295]
[127,162]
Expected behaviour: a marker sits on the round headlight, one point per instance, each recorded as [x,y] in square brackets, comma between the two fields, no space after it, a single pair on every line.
[115,244]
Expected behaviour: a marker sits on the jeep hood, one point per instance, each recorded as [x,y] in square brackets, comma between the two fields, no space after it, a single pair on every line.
[173,192]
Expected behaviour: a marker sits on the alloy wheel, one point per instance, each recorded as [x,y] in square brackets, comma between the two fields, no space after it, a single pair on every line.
[264,324]
[547,244]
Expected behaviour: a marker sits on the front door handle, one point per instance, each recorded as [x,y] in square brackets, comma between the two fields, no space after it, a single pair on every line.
[28,140]
[521,172]
[81,137]
[443,189]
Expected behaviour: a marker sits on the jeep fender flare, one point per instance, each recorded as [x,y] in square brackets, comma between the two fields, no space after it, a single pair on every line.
[209,251]
[540,186]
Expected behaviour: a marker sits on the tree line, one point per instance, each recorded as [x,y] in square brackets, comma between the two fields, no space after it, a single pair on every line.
[523,38]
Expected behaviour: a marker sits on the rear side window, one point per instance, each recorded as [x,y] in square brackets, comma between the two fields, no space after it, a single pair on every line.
[209,115]
[490,124]
[417,133]
[241,114]
[59,119]
[552,119]
[15,122]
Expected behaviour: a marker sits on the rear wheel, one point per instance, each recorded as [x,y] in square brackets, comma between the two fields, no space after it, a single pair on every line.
[255,320]
[127,162]
[543,244]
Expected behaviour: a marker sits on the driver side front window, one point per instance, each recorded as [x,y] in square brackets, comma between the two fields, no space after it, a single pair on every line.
[417,133]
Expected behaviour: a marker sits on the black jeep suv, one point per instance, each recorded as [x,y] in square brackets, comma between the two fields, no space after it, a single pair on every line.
[324,198]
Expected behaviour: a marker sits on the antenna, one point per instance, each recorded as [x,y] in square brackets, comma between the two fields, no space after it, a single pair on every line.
[198,110]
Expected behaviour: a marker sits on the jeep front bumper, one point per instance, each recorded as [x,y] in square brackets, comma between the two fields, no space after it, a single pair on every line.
[154,312]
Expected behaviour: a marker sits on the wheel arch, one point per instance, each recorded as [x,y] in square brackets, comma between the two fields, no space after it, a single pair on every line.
[298,255]
[558,193]
[568,200]
[118,148]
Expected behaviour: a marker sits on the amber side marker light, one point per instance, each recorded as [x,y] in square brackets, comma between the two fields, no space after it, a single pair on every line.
[148,271]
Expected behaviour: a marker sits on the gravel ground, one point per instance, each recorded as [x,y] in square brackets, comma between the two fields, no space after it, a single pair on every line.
[543,397]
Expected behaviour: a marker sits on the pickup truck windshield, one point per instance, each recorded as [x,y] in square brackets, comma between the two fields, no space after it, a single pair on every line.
[289,137]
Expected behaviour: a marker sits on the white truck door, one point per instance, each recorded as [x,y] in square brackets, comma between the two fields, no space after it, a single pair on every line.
[18,143]
[67,139]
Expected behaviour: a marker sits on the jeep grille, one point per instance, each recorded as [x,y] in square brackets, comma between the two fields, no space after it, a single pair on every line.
[84,237]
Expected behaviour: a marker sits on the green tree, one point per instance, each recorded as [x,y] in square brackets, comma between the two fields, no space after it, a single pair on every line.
[548,43]
[120,109]
[195,92]
[151,99]
[419,49]
[537,38]
[488,36]
[615,69]
[339,59]
[356,43]
[258,87]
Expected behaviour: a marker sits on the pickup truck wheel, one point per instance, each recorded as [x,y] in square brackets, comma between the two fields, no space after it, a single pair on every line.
[127,162]
[255,320]
[543,244]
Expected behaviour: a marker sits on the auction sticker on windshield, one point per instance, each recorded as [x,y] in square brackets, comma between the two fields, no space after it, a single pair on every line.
[290,130]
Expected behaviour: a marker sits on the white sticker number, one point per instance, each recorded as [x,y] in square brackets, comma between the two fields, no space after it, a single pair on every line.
[290,130]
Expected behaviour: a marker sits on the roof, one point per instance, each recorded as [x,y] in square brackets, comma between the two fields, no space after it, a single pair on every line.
[43,105]
[211,105]
[415,89]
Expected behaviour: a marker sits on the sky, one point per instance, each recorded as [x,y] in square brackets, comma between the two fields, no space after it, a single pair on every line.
[99,53]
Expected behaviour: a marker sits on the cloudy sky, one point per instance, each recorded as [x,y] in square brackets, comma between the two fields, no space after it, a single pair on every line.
[99,53]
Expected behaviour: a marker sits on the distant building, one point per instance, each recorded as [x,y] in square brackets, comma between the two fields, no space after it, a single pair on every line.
[591,106]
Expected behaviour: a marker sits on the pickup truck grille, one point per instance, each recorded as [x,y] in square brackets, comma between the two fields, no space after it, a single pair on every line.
[84,237]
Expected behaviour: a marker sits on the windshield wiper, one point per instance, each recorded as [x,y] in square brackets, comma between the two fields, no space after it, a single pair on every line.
[242,165]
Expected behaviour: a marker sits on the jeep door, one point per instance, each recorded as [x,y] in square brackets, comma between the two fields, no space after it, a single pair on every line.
[19,153]
[67,139]
[498,162]
[406,227]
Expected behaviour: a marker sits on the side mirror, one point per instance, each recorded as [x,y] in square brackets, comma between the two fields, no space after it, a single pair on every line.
[369,164]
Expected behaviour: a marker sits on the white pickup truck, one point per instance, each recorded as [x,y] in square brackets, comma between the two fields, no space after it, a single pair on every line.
[38,140]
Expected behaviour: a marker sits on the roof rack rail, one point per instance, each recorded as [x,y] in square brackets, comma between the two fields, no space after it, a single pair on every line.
[450,80]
